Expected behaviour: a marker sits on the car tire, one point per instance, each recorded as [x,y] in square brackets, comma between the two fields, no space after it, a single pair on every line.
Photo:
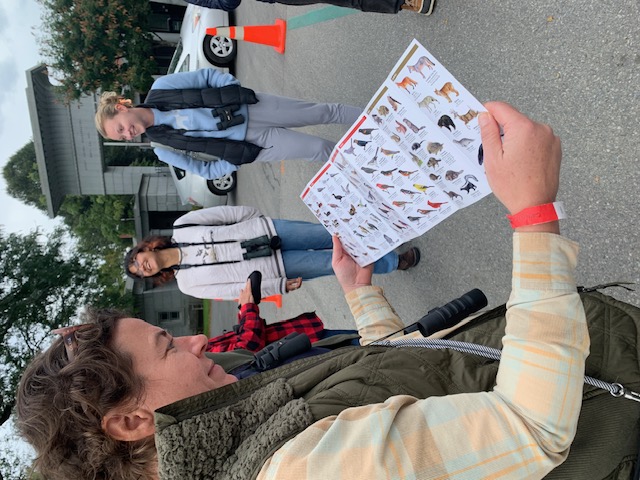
[219,50]
[223,185]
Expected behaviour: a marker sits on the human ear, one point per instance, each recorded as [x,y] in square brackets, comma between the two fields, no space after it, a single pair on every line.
[129,426]
[121,108]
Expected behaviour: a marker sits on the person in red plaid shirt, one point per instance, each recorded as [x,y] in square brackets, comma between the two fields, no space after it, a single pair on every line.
[252,333]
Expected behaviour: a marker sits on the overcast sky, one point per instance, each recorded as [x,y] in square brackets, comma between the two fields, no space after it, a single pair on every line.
[18,51]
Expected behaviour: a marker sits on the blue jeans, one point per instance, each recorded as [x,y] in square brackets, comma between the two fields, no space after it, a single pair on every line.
[307,250]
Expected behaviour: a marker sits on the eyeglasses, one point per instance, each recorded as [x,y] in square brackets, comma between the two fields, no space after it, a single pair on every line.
[69,338]
[138,272]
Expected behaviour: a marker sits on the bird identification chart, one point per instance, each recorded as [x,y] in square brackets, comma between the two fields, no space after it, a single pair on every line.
[413,159]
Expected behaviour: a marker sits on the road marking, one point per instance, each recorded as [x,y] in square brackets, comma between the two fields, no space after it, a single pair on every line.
[318,16]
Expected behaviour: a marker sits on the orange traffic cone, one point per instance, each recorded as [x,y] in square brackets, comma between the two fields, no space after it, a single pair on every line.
[274,35]
[277,299]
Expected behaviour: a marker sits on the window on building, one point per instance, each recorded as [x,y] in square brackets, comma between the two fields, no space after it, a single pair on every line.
[164,317]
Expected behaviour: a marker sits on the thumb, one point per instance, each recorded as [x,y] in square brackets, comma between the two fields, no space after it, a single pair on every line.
[338,252]
[490,132]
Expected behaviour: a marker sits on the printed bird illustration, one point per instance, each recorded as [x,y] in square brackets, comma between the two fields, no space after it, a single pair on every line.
[337,197]
[395,138]
[345,189]
[366,131]
[327,213]
[320,189]
[399,227]
[401,203]
[319,204]
[384,211]
[387,173]
[358,234]
[363,230]
[351,148]
[331,175]
[362,143]
[425,212]
[393,102]
[388,239]
[372,248]
[346,220]
[370,196]
[375,157]
[411,193]
[333,205]
[384,187]
[368,170]
[372,226]
[422,188]
[433,176]
[389,153]
[414,219]
[415,146]
[375,218]
[406,173]
[417,160]
[435,204]
[352,210]
[376,119]
[400,128]
[383,110]
[402,223]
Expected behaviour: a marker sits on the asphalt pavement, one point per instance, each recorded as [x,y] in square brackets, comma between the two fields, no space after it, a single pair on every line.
[574,65]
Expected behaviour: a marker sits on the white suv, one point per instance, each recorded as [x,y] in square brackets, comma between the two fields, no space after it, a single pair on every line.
[196,50]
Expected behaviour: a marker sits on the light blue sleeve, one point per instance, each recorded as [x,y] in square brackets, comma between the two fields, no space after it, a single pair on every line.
[208,170]
[203,78]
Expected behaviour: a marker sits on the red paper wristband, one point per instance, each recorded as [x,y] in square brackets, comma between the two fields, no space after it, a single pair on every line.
[549,212]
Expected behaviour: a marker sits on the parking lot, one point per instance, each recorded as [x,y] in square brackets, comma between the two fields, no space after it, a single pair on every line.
[574,65]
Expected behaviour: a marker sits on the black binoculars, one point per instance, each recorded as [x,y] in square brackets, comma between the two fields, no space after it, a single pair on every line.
[277,353]
[260,247]
[227,117]
[450,314]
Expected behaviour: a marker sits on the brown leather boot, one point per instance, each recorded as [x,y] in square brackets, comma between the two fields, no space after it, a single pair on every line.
[409,259]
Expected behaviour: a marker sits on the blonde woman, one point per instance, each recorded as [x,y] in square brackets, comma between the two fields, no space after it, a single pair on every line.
[206,123]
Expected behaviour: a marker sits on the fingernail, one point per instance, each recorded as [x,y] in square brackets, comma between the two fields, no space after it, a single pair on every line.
[483,119]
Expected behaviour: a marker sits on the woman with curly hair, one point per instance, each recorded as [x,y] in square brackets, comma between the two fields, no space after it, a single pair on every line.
[213,251]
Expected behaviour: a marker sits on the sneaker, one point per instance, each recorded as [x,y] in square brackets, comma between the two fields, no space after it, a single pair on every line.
[409,259]
[424,7]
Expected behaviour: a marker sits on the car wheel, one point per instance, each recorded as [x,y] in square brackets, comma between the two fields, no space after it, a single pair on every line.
[223,185]
[220,51]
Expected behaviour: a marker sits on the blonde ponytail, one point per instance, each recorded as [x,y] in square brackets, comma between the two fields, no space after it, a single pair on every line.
[107,109]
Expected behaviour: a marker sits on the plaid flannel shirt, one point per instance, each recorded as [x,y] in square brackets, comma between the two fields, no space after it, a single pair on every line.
[254,333]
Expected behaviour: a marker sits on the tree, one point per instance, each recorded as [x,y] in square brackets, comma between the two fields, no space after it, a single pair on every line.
[98,44]
[22,178]
[41,289]
[98,221]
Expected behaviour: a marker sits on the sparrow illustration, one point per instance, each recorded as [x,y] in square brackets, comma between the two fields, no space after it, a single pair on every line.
[406,173]
[401,203]
[425,212]
[383,186]
[389,153]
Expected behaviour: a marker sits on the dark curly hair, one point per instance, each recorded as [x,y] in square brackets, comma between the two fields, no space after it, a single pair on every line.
[60,406]
[150,243]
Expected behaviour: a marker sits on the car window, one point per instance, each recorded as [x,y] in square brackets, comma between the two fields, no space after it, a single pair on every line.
[185,65]
[176,57]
